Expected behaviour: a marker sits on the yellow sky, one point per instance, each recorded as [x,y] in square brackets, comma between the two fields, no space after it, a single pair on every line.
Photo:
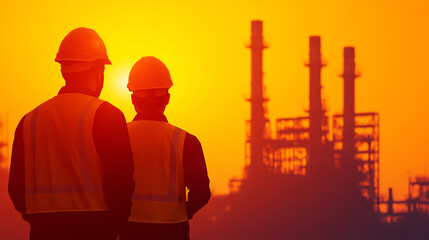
[203,42]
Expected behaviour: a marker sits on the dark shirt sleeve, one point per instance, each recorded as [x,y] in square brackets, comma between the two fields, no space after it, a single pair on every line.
[16,174]
[196,178]
[111,140]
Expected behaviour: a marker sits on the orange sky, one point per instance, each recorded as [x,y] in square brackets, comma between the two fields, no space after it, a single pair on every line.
[203,42]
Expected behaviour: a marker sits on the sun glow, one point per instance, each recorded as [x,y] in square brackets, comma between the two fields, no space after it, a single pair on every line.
[121,82]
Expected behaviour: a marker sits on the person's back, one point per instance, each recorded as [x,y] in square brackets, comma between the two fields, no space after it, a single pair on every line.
[64,178]
[160,190]
[65,118]
[167,159]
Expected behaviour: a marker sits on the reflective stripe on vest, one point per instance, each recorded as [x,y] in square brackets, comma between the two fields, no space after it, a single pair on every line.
[62,167]
[159,195]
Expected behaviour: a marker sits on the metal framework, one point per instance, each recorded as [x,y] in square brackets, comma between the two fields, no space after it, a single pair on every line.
[266,136]
[288,152]
[367,147]
[418,189]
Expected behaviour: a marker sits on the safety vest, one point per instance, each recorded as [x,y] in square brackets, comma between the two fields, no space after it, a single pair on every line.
[159,195]
[62,167]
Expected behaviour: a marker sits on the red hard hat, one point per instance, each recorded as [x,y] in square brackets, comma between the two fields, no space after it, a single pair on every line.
[82,45]
[149,73]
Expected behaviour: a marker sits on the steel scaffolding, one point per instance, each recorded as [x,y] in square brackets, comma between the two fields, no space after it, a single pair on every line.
[366,156]
[418,188]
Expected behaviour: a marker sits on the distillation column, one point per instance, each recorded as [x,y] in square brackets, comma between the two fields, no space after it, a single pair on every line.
[349,76]
[315,163]
[257,122]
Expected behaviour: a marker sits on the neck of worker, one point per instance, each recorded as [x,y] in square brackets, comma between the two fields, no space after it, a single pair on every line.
[151,115]
[70,88]
[150,110]
[90,83]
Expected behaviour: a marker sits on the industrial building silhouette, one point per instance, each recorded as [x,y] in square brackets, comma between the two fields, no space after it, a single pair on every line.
[317,177]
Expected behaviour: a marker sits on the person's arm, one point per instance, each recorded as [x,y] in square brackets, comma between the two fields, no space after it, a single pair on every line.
[196,178]
[16,186]
[111,140]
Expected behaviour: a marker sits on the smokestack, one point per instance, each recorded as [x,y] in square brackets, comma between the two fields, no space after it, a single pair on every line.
[349,77]
[316,112]
[257,122]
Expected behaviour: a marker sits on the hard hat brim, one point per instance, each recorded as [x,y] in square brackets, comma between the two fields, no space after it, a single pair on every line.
[105,60]
[150,92]
[75,66]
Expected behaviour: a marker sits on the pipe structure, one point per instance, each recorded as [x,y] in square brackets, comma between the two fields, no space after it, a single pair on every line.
[349,76]
[257,121]
[316,111]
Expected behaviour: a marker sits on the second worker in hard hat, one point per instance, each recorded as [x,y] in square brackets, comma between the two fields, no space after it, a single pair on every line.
[167,160]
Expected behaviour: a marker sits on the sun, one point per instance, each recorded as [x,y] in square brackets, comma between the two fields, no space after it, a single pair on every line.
[122,82]
[115,85]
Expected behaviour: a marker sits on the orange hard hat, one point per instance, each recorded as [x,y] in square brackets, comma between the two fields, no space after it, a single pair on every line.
[149,73]
[82,46]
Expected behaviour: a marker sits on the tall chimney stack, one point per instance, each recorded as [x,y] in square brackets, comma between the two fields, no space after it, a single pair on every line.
[349,77]
[316,111]
[257,122]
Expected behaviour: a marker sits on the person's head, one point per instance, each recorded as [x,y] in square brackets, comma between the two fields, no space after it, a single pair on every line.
[82,55]
[149,81]
[91,78]
[150,100]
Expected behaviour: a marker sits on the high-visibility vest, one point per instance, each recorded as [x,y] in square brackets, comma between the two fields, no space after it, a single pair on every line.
[62,167]
[159,195]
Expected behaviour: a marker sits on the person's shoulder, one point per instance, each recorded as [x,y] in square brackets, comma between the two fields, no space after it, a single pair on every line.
[190,135]
[32,111]
[187,134]
[192,139]
[108,105]
[108,108]
[108,116]
[41,105]
[21,122]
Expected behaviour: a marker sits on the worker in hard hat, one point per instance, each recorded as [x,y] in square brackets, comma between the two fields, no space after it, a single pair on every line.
[71,173]
[167,160]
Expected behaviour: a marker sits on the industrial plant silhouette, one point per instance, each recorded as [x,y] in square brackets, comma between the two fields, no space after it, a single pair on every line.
[312,179]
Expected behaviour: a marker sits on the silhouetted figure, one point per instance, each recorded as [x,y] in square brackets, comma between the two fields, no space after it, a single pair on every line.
[167,159]
[71,168]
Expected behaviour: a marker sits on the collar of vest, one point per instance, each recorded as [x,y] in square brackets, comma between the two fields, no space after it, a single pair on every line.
[76,89]
[151,116]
